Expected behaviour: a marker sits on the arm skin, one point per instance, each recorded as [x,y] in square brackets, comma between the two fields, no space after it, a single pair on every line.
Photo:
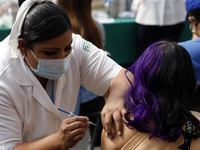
[71,131]
[114,107]
[117,142]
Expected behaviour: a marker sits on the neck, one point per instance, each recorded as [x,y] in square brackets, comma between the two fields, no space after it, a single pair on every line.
[43,81]
[195,31]
[195,36]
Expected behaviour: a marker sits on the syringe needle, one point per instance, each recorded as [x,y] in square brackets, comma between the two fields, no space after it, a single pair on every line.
[73,115]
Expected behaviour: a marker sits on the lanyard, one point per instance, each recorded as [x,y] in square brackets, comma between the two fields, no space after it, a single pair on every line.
[188,134]
[187,140]
[52,92]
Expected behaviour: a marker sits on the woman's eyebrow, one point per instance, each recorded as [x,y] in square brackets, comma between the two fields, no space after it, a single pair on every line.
[70,43]
[55,48]
[51,48]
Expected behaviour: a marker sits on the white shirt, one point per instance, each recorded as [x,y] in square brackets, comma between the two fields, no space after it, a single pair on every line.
[161,12]
[26,111]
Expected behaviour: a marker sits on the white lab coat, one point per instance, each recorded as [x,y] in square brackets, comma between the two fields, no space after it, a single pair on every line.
[161,12]
[26,111]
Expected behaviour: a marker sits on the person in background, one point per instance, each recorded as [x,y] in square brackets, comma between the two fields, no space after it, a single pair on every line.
[159,20]
[159,115]
[42,66]
[192,46]
[80,14]
[8,11]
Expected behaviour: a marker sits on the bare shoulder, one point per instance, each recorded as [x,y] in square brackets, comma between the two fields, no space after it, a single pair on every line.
[118,141]
[196,114]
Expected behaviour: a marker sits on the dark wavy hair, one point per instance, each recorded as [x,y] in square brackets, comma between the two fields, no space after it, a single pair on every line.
[44,21]
[158,99]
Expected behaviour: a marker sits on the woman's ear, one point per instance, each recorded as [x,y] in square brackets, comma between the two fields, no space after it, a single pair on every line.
[22,46]
[192,20]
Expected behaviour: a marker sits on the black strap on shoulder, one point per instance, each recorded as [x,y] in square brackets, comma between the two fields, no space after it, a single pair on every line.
[188,136]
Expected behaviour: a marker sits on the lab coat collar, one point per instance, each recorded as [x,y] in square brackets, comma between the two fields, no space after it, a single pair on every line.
[40,94]
[29,79]
[42,97]
[22,73]
[59,86]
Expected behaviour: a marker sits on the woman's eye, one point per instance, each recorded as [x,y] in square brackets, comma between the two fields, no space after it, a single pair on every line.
[50,53]
[68,48]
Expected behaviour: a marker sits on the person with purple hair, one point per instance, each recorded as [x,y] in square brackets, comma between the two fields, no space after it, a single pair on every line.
[159,114]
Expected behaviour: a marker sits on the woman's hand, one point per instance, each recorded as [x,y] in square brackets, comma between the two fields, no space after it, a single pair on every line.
[113,112]
[71,131]
[114,107]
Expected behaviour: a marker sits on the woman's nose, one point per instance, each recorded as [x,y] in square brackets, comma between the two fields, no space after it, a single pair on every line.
[64,54]
[61,55]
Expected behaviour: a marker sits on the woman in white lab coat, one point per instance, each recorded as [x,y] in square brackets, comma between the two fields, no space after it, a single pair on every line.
[42,65]
[159,20]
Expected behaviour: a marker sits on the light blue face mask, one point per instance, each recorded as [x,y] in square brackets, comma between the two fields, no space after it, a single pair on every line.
[50,68]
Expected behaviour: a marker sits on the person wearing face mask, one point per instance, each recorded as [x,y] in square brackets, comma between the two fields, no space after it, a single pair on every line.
[42,67]
[51,69]
[192,46]
[159,113]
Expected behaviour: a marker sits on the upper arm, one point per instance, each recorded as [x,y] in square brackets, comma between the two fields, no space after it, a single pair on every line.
[120,83]
[97,70]
[118,141]
[10,123]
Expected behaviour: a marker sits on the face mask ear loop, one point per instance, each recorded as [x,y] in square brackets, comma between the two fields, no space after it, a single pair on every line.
[34,55]
[27,60]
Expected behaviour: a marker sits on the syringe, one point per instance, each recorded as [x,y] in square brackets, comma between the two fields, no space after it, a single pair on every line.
[73,115]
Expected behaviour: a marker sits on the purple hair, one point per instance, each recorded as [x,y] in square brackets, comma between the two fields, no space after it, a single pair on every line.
[155,100]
